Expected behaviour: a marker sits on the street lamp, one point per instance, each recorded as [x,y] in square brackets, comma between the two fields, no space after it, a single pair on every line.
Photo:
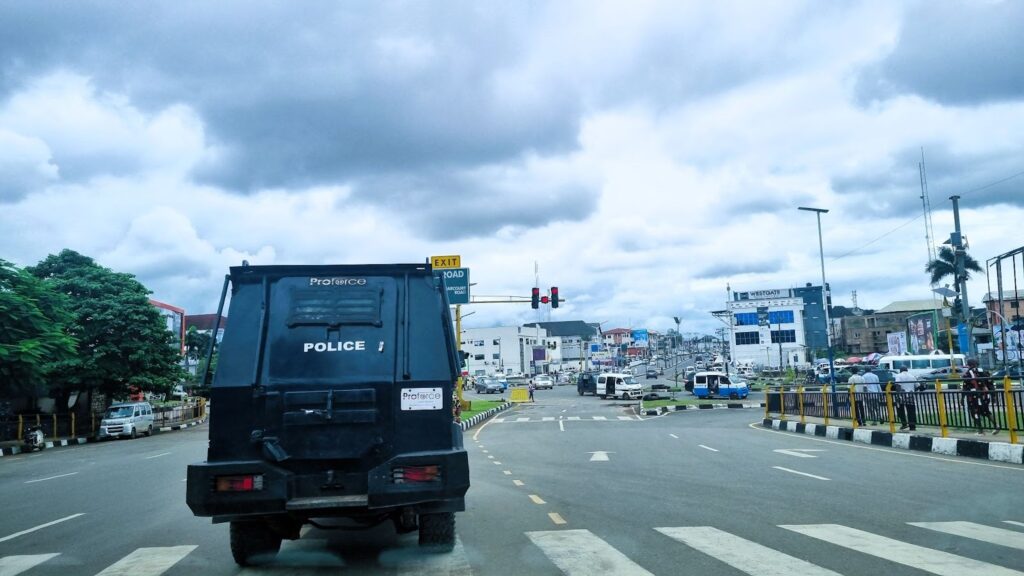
[824,298]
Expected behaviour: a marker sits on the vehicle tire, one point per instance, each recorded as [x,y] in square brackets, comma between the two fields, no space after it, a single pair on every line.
[734,396]
[603,397]
[149,431]
[580,392]
[625,396]
[253,543]
[135,432]
[437,531]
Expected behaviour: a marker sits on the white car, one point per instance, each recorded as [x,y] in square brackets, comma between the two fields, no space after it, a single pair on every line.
[543,381]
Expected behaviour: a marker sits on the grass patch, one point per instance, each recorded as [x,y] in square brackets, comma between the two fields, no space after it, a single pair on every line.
[481,406]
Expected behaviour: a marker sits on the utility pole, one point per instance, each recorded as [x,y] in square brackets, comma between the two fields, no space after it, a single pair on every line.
[960,257]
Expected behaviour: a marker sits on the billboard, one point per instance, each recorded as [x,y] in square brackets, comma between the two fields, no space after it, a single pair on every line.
[897,343]
[923,331]
[640,339]
[1010,339]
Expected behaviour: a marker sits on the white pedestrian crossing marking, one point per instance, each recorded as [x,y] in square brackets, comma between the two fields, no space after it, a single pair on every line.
[573,418]
[742,554]
[147,561]
[1001,536]
[14,565]
[581,553]
[523,419]
[919,557]
[599,418]
[548,419]
[625,417]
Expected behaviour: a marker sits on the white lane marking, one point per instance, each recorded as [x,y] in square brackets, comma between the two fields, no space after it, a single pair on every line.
[50,478]
[490,456]
[537,499]
[506,472]
[157,455]
[523,419]
[707,447]
[40,527]
[925,559]
[561,425]
[454,563]
[573,418]
[674,436]
[484,451]
[757,426]
[581,553]
[742,554]
[599,418]
[148,561]
[547,419]
[800,473]
[14,565]
[1015,523]
[481,429]
[1001,536]
[517,482]
[630,418]
[799,452]
[599,456]
[496,462]
[564,411]
[556,518]
[498,420]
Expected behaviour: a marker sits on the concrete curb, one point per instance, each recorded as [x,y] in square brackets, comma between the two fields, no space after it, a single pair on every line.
[467,424]
[678,408]
[995,451]
[14,450]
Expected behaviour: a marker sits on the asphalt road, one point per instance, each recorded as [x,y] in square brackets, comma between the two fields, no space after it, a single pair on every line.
[565,485]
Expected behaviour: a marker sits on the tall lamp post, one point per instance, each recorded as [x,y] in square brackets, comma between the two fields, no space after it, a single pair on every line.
[824,298]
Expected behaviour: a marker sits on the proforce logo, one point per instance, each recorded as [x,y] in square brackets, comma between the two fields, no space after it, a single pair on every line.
[337,281]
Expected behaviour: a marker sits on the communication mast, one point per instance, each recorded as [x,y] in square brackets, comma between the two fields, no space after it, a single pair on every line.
[926,207]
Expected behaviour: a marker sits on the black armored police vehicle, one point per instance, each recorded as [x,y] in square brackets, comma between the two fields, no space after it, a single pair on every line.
[333,399]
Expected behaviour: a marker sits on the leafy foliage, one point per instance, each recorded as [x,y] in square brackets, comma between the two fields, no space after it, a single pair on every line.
[945,265]
[33,341]
[122,339]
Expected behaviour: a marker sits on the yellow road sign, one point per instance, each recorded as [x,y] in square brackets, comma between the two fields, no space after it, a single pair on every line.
[444,262]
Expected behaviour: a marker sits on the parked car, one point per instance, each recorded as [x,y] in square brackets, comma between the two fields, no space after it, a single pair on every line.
[127,419]
[1013,371]
[651,373]
[543,381]
[489,386]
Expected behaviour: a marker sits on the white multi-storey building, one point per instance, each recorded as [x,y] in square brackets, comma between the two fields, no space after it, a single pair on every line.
[509,350]
[767,328]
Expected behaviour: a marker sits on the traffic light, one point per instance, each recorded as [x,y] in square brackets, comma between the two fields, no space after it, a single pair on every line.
[535,299]
[463,356]
[554,296]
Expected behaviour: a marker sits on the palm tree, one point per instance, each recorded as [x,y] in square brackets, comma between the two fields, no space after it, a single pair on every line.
[945,265]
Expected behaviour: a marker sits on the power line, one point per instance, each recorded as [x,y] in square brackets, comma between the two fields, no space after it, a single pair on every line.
[916,218]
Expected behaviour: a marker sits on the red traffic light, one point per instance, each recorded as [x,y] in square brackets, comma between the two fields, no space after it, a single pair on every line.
[535,298]
[544,299]
[554,296]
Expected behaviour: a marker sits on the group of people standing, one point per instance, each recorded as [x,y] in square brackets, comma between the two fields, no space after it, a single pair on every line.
[870,403]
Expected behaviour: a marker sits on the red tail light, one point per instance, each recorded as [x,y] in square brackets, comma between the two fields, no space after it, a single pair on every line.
[249,483]
[403,474]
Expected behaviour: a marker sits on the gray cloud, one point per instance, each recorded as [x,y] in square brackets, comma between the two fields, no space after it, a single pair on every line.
[726,269]
[960,53]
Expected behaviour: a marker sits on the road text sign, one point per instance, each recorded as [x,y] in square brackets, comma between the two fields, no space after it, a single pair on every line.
[456,281]
[446,262]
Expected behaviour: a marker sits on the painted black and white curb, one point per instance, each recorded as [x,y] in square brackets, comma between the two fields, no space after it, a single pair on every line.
[13,450]
[680,407]
[467,424]
[997,451]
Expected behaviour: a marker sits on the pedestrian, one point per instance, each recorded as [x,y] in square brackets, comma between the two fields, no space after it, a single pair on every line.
[978,396]
[907,407]
[856,383]
[532,388]
[873,399]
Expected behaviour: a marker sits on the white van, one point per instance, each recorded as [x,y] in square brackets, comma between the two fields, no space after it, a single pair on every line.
[619,385]
[127,419]
[919,365]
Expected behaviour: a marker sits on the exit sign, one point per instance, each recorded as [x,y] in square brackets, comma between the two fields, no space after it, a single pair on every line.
[446,262]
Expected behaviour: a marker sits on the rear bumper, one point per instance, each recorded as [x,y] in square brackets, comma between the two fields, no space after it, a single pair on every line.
[281,493]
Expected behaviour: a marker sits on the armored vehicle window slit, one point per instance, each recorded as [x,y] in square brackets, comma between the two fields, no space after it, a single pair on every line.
[335,308]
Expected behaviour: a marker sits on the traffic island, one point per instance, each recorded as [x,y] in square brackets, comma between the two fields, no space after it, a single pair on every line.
[982,449]
[659,410]
[478,418]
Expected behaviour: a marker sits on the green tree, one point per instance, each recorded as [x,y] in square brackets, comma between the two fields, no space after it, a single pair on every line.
[33,332]
[197,344]
[945,265]
[123,342]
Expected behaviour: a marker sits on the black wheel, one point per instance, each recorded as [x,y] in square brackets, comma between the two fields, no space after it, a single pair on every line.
[149,431]
[625,396]
[733,396]
[135,433]
[437,531]
[603,396]
[580,392]
[253,543]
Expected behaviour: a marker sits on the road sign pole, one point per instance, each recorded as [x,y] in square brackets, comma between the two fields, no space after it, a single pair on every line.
[458,349]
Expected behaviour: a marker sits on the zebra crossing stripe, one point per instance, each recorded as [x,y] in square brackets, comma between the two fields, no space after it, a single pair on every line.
[581,553]
[1000,536]
[742,554]
[147,561]
[919,557]
[599,418]
[14,565]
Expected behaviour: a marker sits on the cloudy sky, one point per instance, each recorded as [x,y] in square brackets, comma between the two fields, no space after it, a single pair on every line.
[644,154]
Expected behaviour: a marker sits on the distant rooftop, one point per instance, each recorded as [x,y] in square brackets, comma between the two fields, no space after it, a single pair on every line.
[911,306]
[1010,295]
[204,321]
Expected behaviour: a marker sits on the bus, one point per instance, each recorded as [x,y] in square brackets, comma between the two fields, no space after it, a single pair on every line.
[919,365]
